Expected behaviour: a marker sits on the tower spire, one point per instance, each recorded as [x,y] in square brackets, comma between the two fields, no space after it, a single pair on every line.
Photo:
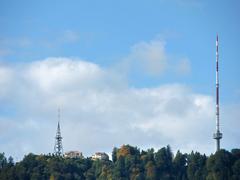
[58,148]
[218,134]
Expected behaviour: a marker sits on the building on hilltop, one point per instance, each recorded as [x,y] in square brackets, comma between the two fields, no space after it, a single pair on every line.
[73,154]
[100,156]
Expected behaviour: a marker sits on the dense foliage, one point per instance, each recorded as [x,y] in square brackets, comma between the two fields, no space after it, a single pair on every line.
[127,163]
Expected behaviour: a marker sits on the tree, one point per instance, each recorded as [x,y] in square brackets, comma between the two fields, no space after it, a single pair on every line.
[114,154]
[150,171]
[196,166]
[236,154]
[179,164]
[10,161]
[163,159]
[236,169]
[119,171]
[129,164]
[3,161]
[219,165]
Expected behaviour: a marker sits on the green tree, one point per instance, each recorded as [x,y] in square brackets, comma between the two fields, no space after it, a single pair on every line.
[114,154]
[3,161]
[236,170]
[163,159]
[10,161]
[236,165]
[196,168]
[119,171]
[179,164]
[129,164]
[219,165]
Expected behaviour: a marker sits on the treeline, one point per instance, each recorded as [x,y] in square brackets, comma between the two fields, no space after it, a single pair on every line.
[127,163]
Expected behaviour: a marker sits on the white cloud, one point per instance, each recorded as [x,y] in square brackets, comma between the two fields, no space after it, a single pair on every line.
[6,76]
[183,67]
[99,111]
[229,118]
[150,56]
[54,74]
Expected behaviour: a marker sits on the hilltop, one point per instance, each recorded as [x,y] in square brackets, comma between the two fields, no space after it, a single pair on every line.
[128,162]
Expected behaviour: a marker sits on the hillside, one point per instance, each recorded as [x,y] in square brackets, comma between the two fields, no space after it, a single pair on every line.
[127,163]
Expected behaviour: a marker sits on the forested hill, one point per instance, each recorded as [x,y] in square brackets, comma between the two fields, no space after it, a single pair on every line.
[127,163]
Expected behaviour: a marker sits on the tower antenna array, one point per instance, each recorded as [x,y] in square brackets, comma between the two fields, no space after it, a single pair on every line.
[58,148]
[217,135]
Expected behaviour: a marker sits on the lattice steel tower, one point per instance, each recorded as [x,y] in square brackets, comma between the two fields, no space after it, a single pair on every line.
[58,148]
[217,135]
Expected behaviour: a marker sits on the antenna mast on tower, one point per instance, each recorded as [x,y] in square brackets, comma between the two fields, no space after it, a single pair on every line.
[218,134]
[58,148]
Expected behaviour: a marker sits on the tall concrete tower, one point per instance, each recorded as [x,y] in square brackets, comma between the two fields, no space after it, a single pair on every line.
[217,135]
[58,148]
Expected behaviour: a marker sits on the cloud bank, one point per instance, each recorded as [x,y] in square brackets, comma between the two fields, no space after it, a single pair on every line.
[99,110]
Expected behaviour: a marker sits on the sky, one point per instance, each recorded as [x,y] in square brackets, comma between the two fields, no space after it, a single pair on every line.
[122,72]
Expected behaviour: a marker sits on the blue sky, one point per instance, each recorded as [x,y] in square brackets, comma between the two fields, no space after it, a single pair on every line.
[105,30]
[117,38]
